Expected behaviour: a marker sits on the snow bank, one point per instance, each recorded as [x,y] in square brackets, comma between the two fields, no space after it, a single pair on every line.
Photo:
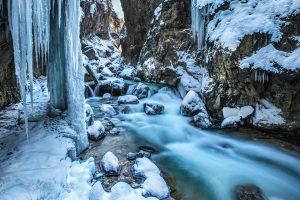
[79,179]
[268,57]
[267,114]
[235,116]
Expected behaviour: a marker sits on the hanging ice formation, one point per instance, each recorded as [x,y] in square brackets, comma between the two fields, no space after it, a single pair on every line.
[261,76]
[199,20]
[36,24]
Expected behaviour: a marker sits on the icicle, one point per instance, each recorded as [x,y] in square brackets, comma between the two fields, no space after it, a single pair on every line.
[199,20]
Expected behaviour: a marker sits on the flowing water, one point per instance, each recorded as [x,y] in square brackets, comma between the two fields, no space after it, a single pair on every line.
[207,165]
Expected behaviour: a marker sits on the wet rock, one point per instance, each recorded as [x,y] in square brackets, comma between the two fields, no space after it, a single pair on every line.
[114,131]
[131,156]
[114,86]
[249,192]
[96,131]
[192,105]
[153,109]
[89,114]
[108,109]
[142,154]
[148,149]
[141,91]
[128,99]
[110,164]
[108,124]
[201,120]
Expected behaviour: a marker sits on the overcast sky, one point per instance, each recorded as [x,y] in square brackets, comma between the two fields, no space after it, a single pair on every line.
[118,8]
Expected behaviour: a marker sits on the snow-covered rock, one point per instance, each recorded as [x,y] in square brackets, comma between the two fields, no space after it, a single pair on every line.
[202,120]
[128,73]
[96,131]
[106,96]
[154,185]
[141,91]
[236,116]
[128,99]
[110,164]
[114,86]
[89,114]
[107,72]
[97,192]
[153,108]
[108,109]
[192,104]
[267,114]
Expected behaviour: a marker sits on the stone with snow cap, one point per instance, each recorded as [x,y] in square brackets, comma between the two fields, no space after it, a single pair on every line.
[236,116]
[141,91]
[153,108]
[154,185]
[108,109]
[96,131]
[89,114]
[110,164]
[128,99]
[192,105]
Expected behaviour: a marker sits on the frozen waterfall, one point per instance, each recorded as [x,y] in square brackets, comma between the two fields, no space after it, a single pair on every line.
[36,24]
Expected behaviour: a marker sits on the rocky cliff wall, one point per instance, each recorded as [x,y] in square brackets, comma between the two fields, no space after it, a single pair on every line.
[8,83]
[138,15]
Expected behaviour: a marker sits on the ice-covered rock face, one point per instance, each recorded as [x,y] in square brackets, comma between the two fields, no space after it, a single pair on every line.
[128,99]
[153,109]
[110,164]
[141,91]
[96,131]
[192,104]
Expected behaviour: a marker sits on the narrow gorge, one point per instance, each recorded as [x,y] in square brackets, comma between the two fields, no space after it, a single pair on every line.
[150,99]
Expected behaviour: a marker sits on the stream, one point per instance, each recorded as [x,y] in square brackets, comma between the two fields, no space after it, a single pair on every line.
[205,165]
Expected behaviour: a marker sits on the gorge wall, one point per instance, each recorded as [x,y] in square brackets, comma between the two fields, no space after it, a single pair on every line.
[9,92]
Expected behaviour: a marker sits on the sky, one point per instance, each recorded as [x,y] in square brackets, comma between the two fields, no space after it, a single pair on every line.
[118,8]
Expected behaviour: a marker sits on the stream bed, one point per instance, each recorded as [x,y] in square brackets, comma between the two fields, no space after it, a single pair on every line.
[203,165]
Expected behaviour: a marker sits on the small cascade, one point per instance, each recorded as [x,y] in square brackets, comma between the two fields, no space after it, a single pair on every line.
[130,89]
[261,76]
[91,91]
[199,23]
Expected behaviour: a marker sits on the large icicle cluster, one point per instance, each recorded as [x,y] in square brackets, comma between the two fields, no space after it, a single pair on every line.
[29,22]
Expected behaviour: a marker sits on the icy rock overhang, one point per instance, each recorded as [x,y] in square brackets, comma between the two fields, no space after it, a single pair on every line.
[227,27]
[30,23]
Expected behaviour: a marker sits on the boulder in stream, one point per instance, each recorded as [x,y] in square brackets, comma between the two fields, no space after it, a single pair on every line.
[108,109]
[249,192]
[110,164]
[192,105]
[128,99]
[201,120]
[96,131]
[141,91]
[153,108]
